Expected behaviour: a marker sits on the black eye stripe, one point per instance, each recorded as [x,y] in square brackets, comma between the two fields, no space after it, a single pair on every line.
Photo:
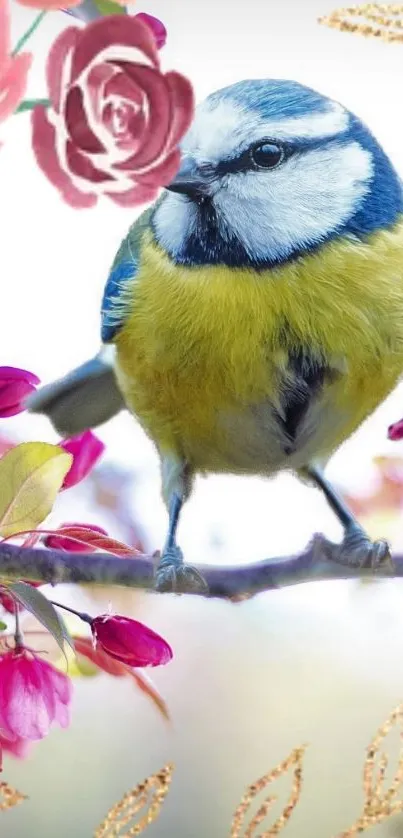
[244,161]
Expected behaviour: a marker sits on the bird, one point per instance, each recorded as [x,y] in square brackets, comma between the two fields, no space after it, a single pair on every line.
[252,318]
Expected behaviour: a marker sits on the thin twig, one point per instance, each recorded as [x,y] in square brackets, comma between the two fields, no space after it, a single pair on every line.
[316,563]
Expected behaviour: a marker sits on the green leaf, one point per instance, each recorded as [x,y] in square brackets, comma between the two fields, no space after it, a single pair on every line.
[43,610]
[2,626]
[30,104]
[31,475]
[108,7]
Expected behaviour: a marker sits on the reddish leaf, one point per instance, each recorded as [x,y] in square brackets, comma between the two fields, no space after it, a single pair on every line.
[96,541]
[84,647]
[147,687]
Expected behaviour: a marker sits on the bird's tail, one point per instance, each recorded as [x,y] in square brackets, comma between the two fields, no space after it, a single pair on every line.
[83,399]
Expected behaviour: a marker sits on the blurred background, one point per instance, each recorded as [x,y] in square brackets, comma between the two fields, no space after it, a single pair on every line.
[320,664]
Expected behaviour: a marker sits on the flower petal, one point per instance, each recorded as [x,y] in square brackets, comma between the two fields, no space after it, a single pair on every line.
[16,373]
[130,641]
[155,137]
[44,147]
[80,165]
[113,31]
[13,83]
[57,57]
[183,104]
[162,174]
[136,195]
[77,123]
[86,449]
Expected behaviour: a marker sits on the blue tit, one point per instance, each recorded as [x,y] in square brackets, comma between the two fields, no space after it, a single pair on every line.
[253,316]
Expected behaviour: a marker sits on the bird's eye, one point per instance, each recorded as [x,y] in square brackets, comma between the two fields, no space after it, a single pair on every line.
[266,155]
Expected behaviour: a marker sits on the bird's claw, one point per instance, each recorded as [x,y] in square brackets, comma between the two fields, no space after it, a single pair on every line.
[357,550]
[172,575]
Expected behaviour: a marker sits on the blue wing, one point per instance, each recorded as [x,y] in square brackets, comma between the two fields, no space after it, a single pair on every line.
[118,294]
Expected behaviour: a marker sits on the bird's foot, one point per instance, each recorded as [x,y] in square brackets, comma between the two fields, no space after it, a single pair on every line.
[174,576]
[357,550]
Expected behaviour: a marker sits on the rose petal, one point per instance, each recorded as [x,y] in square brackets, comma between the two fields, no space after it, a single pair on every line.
[80,165]
[13,83]
[163,173]
[44,147]
[77,124]
[97,78]
[57,57]
[134,196]
[182,99]
[155,138]
[112,31]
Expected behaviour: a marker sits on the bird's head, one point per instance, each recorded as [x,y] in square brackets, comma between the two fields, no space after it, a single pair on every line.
[271,170]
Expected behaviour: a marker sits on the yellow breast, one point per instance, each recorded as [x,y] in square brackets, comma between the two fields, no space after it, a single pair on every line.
[209,342]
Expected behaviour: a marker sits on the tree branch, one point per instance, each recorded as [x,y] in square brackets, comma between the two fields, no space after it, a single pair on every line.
[316,563]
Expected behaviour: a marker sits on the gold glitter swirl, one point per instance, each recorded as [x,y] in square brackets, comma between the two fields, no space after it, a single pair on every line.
[382,21]
[294,762]
[380,803]
[151,792]
[9,797]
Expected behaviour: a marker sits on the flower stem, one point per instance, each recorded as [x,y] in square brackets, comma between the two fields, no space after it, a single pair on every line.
[30,104]
[30,31]
[19,640]
[81,614]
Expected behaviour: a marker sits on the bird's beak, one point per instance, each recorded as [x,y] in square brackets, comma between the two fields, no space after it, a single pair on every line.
[190,181]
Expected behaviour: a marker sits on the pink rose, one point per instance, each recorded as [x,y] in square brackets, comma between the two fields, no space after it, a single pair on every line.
[13,69]
[116,120]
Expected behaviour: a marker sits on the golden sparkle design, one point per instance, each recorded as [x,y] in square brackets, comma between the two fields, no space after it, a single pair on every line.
[9,797]
[152,791]
[376,20]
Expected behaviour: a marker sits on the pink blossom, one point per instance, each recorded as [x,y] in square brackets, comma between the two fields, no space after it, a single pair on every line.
[13,68]
[157,27]
[116,119]
[129,641]
[86,449]
[72,545]
[15,385]
[33,695]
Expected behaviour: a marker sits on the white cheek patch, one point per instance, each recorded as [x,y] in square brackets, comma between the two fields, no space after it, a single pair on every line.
[174,221]
[298,204]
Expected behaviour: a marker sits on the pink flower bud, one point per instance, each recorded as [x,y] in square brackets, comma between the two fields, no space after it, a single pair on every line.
[157,27]
[395,431]
[86,449]
[33,695]
[15,386]
[60,542]
[129,641]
